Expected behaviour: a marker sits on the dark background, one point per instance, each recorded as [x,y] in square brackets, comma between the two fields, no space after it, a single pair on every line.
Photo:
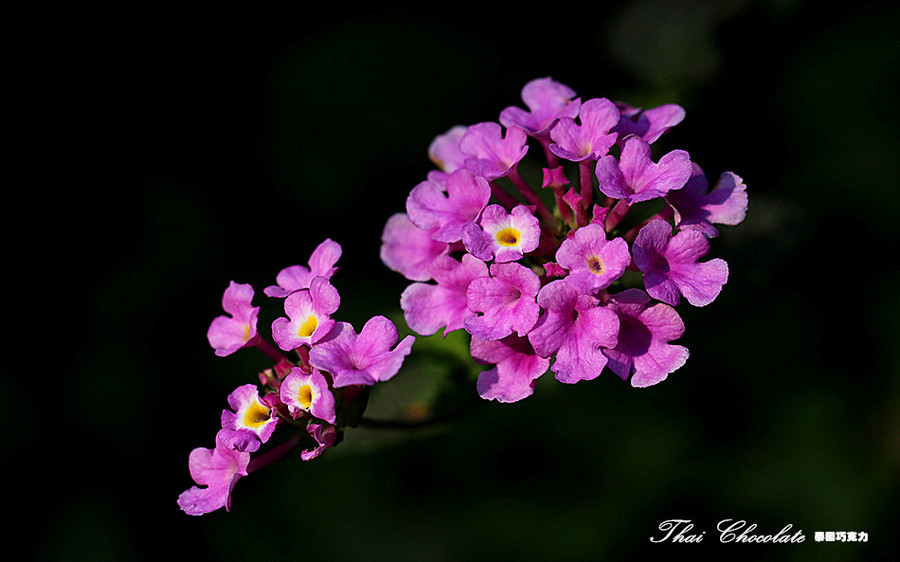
[176,151]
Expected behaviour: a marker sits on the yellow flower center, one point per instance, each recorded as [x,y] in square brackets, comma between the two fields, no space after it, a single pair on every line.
[246,332]
[256,415]
[305,396]
[308,327]
[508,237]
[595,264]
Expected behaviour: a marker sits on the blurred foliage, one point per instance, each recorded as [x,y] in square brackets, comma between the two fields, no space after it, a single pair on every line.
[237,142]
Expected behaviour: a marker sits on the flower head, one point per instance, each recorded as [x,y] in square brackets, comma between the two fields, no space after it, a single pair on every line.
[309,315]
[218,470]
[643,350]
[227,334]
[593,262]
[308,392]
[502,236]
[250,413]
[671,265]
[363,359]
[297,277]
[634,177]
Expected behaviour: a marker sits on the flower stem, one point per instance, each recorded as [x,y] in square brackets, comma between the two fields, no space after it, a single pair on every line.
[617,214]
[532,197]
[273,455]
[502,197]
[268,349]
[586,179]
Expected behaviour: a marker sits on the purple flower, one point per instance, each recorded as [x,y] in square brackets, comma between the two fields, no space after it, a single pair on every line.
[547,101]
[409,250]
[696,209]
[634,177]
[644,333]
[592,138]
[671,268]
[515,372]
[576,328]
[321,264]
[649,124]
[325,436]
[218,470]
[428,307]
[491,155]
[506,301]
[308,392]
[249,414]
[309,315]
[593,262]
[446,207]
[444,150]
[364,359]
[502,236]
[227,334]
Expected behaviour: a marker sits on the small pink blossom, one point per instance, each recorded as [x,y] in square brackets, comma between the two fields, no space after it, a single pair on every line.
[308,392]
[227,334]
[366,358]
[321,264]
[250,413]
[445,206]
[309,315]
[547,100]
[217,470]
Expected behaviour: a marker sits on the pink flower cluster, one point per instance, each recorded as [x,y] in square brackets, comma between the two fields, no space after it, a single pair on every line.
[317,386]
[574,276]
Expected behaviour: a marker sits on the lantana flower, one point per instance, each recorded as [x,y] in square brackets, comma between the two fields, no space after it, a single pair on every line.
[492,154]
[505,301]
[671,265]
[365,358]
[446,207]
[308,392]
[250,414]
[593,262]
[408,249]
[309,315]
[589,139]
[516,368]
[325,436]
[444,150]
[502,236]
[547,100]
[576,328]
[217,470]
[296,277]
[634,177]
[643,351]
[227,334]
[648,124]
[697,208]
[428,307]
